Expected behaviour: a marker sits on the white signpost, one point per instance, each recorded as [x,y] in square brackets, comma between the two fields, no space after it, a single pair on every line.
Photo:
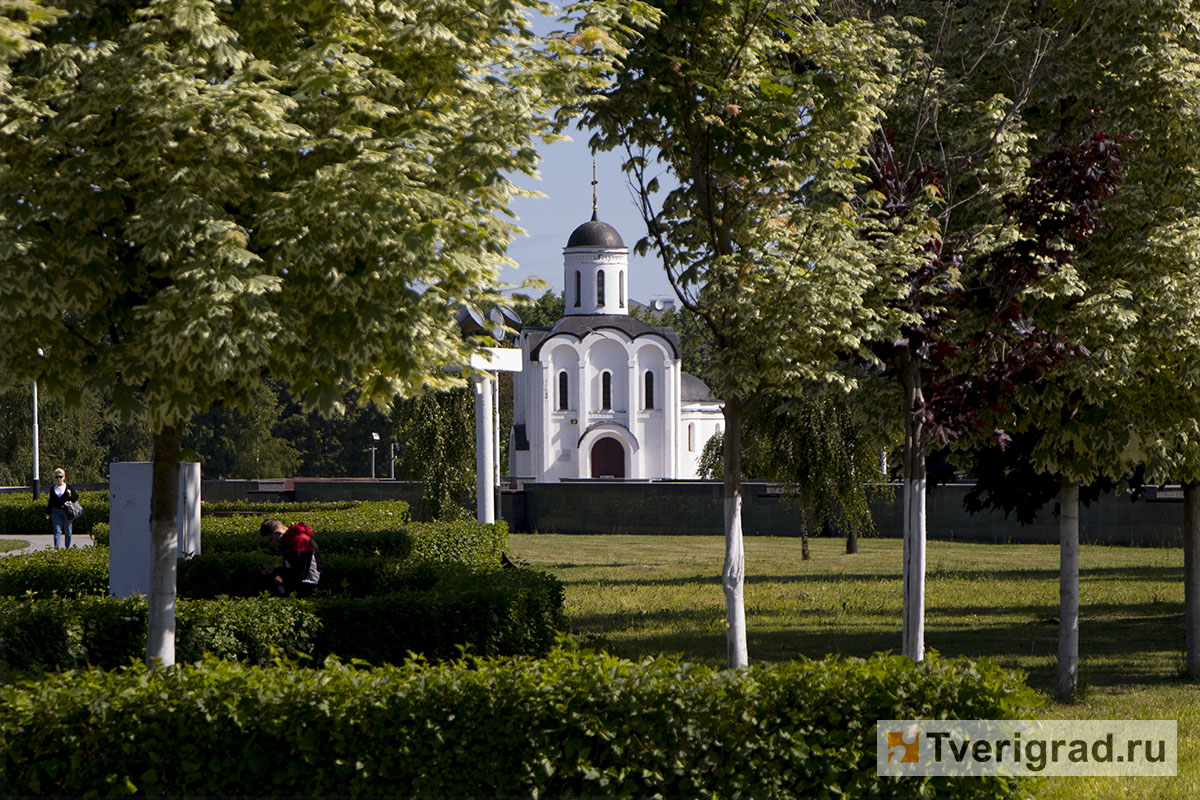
[487,462]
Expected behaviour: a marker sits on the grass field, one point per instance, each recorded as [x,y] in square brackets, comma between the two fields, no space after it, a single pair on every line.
[8,545]
[638,595]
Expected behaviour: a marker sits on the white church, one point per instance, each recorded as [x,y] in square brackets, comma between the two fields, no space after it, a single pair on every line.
[601,394]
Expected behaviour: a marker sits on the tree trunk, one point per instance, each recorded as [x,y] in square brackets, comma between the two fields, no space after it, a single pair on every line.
[1068,590]
[164,546]
[913,631]
[734,571]
[805,555]
[1191,577]
[852,543]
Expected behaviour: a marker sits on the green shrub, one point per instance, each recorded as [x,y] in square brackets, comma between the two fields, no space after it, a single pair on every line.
[84,571]
[77,572]
[514,612]
[433,611]
[111,632]
[21,514]
[241,575]
[570,725]
[460,542]
[275,509]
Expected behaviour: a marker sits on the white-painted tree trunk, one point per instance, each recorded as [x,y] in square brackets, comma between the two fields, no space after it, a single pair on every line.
[1191,577]
[913,620]
[733,574]
[164,547]
[1068,590]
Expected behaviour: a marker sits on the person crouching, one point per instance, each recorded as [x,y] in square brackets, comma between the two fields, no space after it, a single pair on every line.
[301,570]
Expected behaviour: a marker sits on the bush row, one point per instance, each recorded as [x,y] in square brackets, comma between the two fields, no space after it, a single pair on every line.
[573,724]
[501,613]
[111,632]
[21,514]
[82,572]
[274,509]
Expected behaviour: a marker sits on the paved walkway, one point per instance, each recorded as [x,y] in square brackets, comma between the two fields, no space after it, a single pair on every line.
[42,542]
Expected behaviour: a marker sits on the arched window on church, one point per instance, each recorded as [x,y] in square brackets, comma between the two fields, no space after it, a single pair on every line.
[621,287]
[564,400]
[578,289]
[606,391]
[600,288]
[649,390]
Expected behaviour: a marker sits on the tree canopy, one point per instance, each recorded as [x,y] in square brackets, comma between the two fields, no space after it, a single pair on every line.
[199,195]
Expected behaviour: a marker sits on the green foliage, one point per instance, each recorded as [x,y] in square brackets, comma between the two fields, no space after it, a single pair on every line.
[540,313]
[513,612]
[355,560]
[231,507]
[761,112]
[313,191]
[20,513]
[573,724]
[231,443]
[78,572]
[436,613]
[814,448]
[436,432]
[111,632]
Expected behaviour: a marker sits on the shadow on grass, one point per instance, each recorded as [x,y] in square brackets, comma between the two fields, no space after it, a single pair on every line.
[1151,574]
[1127,648]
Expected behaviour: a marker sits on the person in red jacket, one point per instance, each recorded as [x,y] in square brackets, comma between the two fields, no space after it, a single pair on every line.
[301,570]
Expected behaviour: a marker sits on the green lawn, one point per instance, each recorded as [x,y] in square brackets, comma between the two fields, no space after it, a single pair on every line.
[8,545]
[635,595]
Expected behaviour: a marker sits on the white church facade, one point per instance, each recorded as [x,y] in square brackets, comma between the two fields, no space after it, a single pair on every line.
[602,394]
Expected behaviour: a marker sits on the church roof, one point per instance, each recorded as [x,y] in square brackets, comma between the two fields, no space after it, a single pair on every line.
[580,325]
[693,389]
[595,233]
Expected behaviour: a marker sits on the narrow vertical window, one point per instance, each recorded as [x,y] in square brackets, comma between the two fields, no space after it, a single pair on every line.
[621,287]
[578,289]
[563,398]
[649,390]
[606,391]
[600,288]
[691,437]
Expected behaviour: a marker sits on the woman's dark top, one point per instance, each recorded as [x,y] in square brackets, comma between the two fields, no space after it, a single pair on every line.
[54,501]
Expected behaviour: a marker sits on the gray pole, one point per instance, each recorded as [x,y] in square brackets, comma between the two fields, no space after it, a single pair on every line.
[37,468]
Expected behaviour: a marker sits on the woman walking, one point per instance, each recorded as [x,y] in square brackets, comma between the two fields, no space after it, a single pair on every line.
[56,500]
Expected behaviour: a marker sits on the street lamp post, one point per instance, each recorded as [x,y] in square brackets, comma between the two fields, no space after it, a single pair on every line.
[37,468]
[374,446]
[392,452]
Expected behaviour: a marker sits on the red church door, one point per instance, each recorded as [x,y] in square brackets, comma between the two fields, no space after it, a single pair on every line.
[608,458]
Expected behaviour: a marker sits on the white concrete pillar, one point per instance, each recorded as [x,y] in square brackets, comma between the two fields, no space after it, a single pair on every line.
[485,486]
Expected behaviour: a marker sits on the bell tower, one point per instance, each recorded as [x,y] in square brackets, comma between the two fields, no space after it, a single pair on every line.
[595,267]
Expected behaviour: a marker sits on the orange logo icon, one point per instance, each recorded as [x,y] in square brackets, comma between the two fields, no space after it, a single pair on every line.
[909,751]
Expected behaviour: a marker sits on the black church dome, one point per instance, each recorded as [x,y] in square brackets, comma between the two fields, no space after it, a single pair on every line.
[595,234]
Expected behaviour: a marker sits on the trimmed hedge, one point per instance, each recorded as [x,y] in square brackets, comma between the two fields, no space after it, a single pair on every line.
[83,572]
[110,632]
[570,725]
[78,572]
[239,532]
[20,513]
[501,613]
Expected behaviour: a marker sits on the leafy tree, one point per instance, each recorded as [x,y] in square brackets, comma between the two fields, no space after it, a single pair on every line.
[1127,413]
[234,444]
[197,195]
[760,111]
[436,432]
[952,167]
[813,446]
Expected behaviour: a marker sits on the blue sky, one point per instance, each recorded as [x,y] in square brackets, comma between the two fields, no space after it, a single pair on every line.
[566,180]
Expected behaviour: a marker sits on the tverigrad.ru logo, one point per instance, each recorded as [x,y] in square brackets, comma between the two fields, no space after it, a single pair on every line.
[1026,747]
